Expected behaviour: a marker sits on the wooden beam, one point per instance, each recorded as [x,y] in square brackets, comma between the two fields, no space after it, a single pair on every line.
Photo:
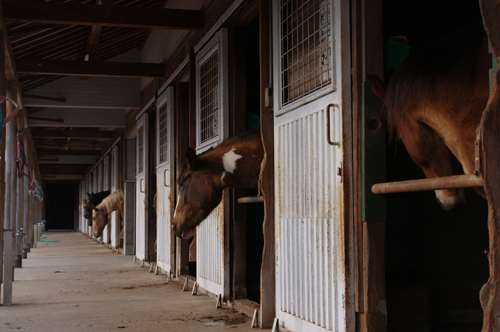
[65,144]
[111,16]
[89,68]
[76,133]
[58,152]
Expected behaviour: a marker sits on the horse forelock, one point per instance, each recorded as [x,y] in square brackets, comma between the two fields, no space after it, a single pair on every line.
[449,59]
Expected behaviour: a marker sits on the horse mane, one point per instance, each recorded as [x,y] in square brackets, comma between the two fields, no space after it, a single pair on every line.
[112,202]
[98,197]
[449,58]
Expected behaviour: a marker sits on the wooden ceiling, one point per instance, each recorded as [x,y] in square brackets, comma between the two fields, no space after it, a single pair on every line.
[53,39]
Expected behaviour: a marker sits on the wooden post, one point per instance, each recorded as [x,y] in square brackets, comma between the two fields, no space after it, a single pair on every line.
[10,175]
[2,155]
[367,51]
[490,136]
[268,269]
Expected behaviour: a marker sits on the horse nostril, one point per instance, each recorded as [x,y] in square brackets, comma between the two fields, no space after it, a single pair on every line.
[173,228]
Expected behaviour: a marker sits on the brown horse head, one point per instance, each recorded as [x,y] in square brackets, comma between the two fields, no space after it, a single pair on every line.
[233,164]
[101,212]
[99,220]
[199,192]
[434,102]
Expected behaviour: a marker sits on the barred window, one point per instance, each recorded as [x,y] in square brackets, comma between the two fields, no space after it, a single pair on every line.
[209,99]
[163,133]
[306,64]
[141,149]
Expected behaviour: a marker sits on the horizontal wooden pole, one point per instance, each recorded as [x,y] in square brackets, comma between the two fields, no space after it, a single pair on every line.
[89,68]
[447,182]
[251,199]
[105,15]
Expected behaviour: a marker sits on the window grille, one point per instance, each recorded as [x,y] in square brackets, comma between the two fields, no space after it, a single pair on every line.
[209,99]
[163,130]
[306,58]
[141,149]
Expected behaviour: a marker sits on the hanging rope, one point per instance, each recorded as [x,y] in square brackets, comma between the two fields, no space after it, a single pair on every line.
[21,156]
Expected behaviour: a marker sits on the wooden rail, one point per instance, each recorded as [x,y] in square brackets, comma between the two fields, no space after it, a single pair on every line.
[447,182]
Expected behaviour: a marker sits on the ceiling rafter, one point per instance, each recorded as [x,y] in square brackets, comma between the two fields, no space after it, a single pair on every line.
[87,14]
[86,68]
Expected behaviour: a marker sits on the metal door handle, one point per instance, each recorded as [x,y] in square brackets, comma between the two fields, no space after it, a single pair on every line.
[328,137]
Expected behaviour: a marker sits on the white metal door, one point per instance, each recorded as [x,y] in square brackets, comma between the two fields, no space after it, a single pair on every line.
[115,216]
[311,83]
[95,188]
[106,186]
[141,186]
[212,257]
[89,189]
[164,177]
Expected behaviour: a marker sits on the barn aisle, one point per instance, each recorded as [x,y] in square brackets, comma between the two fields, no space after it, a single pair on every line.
[71,283]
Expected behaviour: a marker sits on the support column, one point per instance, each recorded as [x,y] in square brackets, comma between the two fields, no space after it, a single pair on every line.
[2,155]
[8,270]
[10,159]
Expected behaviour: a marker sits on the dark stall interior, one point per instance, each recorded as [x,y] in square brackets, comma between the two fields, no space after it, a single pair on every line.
[435,260]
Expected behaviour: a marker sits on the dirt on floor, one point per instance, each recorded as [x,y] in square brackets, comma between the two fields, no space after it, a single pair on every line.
[76,284]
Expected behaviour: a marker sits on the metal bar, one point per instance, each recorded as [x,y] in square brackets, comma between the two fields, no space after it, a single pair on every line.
[251,199]
[447,182]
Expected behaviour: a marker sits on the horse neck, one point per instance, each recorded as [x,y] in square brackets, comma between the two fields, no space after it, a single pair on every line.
[235,165]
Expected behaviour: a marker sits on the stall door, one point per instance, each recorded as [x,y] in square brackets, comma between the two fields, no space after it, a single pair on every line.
[115,216]
[164,177]
[105,186]
[141,186]
[212,257]
[311,41]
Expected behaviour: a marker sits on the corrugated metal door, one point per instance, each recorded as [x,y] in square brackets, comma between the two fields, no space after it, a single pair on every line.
[89,190]
[212,257]
[115,216]
[311,81]
[106,186]
[141,186]
[164,176]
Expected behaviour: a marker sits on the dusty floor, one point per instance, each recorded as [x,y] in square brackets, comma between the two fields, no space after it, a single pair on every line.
[77,284]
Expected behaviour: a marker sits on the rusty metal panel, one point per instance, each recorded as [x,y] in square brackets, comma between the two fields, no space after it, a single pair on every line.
[210,252]
[164,176]
[308,275]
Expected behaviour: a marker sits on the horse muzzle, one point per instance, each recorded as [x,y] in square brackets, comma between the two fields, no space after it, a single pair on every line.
[97,235]
[181,231]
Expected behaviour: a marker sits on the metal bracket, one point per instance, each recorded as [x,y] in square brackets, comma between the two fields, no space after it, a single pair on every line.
[218,304]
[255,319]
[195,289]
[276,325]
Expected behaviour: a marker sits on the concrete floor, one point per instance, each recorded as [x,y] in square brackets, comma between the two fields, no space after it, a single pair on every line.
[77,284]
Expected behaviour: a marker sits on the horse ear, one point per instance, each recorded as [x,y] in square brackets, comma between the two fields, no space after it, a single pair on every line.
[378,86]
[84,202]
[94,207]
[191,158]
